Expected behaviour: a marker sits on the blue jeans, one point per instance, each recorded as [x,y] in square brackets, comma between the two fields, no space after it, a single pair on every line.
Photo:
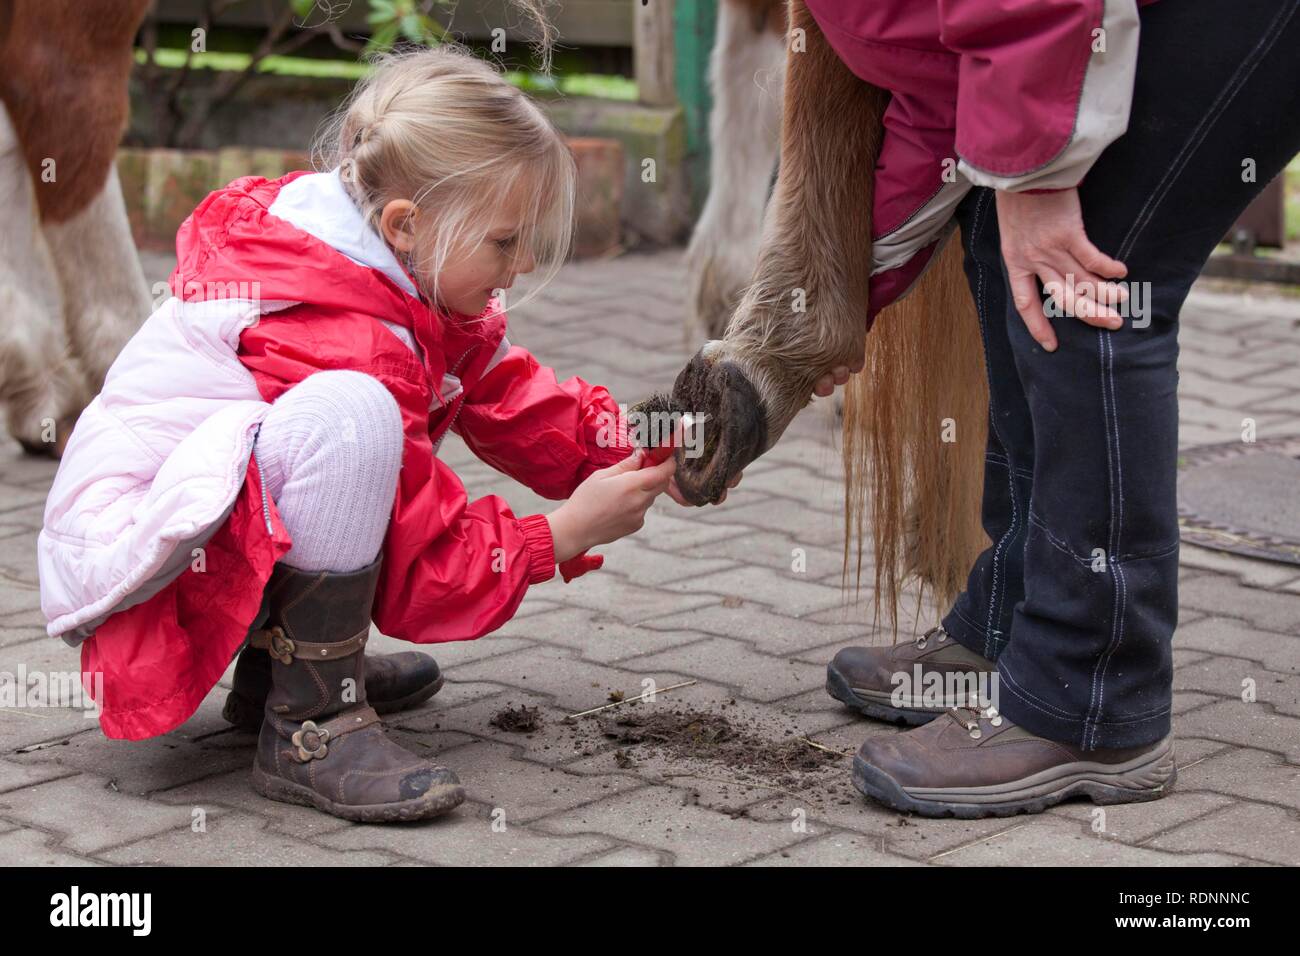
[1077,596]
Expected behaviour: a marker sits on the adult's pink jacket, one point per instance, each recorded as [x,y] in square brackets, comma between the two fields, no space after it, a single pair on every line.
[1010,94]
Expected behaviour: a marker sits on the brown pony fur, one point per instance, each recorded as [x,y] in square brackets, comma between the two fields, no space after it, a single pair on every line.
[924,360]
[816,233]
[64,84]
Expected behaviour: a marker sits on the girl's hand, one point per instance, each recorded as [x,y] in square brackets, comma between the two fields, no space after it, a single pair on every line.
[608,505]
[1043,238]
[675,493]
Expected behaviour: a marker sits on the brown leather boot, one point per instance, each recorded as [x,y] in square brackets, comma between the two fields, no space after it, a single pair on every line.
[321,744]
[394,682]
[975,762]
[909,683]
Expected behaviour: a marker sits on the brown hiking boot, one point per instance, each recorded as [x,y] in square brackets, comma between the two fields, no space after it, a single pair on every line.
[394,682]
[976,763]
[321,744]
[910,683]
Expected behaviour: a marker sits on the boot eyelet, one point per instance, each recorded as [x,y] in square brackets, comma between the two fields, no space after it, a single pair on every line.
[920,643]
[996,721]
[976,734]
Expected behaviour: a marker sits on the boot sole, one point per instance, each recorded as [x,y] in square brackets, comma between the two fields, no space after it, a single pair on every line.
[838,686]
[1146,777]
[435,802]
[246,714]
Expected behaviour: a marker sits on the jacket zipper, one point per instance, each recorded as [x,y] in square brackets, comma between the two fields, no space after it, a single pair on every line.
[460,401]
[261,478]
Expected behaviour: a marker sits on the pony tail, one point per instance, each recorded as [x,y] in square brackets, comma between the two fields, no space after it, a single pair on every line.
[922,494]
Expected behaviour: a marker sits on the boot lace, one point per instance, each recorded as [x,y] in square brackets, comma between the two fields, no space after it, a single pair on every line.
[968,716]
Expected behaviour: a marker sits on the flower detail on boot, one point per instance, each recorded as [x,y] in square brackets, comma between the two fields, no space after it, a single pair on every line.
[317,746]
[311,742]
[279,646]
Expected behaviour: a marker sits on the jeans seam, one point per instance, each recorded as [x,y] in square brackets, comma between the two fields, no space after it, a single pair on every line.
[1110,540]
[1056,542]
[1119,586]
[1034,702]
[995,595]
[1233,86]
[1039,522]
[1146,555]
[1133,718]
[977,628]
[1140,714]
[996,459]
[1052,711]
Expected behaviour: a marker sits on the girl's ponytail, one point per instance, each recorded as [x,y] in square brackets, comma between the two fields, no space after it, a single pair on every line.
[442,128]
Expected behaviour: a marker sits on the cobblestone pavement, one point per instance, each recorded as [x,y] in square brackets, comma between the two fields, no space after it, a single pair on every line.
[707,595]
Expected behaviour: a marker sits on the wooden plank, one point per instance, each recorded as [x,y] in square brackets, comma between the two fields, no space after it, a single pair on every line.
[579,22]
[656,79]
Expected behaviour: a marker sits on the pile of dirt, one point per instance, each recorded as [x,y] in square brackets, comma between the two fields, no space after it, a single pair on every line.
[690,734]
[519,720]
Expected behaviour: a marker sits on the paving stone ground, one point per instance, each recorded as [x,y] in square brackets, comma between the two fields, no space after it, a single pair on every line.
[707,595]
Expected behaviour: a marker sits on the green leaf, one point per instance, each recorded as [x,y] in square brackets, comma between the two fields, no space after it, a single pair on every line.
[413,28]
[383,38]
[381,12]
[303,7]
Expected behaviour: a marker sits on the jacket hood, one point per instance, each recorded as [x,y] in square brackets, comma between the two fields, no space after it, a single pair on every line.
[295,240]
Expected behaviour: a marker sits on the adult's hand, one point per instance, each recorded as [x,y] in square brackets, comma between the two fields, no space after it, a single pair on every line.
[675,493]
[837,376]
[1043,239]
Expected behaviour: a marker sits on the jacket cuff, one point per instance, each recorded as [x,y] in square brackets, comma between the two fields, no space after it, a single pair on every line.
[611,453]
[579,565]
[540,547]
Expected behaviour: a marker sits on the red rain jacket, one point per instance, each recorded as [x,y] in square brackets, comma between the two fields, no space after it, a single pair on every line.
[443,575]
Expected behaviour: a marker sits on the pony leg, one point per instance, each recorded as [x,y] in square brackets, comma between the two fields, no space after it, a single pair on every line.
[746,77]
[105,295]
[41,386]
[805,309]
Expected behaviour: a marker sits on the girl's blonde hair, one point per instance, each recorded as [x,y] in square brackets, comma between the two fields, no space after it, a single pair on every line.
[444,129]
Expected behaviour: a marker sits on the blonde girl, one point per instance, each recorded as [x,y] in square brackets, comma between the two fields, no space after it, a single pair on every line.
[259,478]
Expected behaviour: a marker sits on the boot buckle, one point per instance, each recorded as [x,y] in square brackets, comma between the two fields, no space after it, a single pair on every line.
[279,645]
[311,741]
